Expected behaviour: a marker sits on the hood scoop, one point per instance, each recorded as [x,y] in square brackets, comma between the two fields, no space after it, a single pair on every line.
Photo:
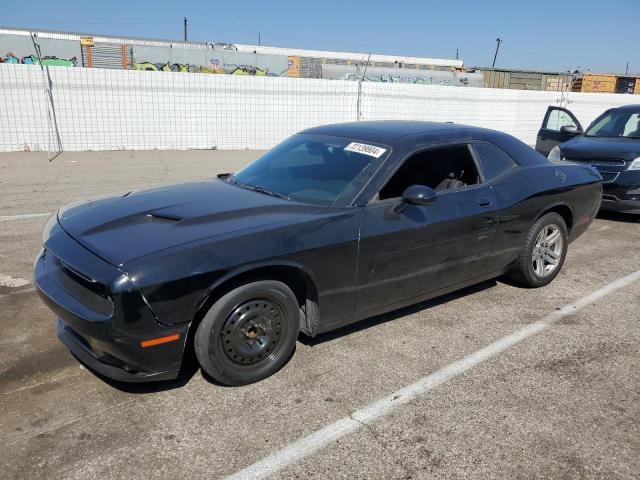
[164,217]
[132,220]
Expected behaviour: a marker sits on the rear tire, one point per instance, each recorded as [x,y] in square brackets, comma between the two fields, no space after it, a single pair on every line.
[543,253]
[249,333]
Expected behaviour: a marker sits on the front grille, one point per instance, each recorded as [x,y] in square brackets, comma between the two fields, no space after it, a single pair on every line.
[84,290]
[80,278]
[608,177]
[595,160]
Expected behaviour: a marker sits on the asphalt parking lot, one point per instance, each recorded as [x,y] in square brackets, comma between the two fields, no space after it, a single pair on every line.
[564,403]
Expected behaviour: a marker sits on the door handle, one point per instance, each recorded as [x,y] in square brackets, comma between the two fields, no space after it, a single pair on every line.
[485,202]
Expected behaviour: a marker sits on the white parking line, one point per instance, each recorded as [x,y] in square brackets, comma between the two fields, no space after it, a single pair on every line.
[21,217]
[321,438]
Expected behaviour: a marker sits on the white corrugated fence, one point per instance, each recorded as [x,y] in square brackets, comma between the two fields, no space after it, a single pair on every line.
[101,109]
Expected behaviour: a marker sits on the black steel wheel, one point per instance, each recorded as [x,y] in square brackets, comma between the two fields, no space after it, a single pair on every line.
[249,333]
[253,332]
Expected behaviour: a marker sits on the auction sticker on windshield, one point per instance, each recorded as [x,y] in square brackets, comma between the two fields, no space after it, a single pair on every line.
[365,149]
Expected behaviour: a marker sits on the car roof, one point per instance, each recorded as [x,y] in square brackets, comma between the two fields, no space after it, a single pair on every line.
[385,131]
[628,108]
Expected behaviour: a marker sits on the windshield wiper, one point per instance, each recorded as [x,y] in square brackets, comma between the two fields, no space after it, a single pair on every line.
[266,191]
[255,188]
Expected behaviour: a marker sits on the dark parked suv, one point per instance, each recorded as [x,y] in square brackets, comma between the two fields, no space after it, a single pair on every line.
[611,144]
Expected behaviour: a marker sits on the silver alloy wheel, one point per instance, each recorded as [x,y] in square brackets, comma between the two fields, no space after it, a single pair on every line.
[547,250]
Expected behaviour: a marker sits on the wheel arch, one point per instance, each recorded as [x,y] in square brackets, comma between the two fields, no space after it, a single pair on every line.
[296,276]
[562,209]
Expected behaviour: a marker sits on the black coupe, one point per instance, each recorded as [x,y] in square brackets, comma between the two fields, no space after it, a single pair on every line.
[611,144]
[335,224]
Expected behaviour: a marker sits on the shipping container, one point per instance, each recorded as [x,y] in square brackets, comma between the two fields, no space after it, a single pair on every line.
[591,83]
[525,79]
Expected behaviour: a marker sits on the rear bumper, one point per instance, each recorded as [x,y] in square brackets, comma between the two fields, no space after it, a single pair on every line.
[102,317]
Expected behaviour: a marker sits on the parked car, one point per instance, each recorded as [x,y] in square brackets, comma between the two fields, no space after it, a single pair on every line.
[335,224]
[611,144]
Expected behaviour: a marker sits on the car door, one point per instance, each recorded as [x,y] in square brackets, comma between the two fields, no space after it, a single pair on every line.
[424,248]
[558,126]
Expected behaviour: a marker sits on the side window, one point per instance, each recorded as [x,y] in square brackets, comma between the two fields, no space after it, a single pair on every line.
[442,169]
[493,160]
[558,119]
[632,127]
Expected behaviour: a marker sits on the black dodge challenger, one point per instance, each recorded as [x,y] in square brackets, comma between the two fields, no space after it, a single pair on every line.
[335,224]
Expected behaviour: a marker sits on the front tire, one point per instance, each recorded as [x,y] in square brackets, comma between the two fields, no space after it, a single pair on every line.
[249,333]
[543,253]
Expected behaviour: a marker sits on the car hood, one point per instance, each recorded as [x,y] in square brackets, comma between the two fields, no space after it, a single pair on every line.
[122,228]
[626,148]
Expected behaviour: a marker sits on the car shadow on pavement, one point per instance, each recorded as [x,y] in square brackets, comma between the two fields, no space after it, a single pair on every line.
[190,364]
[619,216]
[395,314]
[187,371]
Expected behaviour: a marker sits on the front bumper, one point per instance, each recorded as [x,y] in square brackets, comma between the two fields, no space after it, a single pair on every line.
[623,193]
[102,318]
[78,346]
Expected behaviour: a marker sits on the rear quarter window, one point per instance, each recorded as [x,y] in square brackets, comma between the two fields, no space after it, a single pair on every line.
[494,161]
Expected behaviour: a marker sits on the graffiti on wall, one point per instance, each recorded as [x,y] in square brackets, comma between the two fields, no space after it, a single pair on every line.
[160,67]
[216,66]
[33,60]
[409,79]
[213,68]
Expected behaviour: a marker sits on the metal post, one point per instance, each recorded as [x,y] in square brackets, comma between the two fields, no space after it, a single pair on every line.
[52,119]
[185,29]
[496,55]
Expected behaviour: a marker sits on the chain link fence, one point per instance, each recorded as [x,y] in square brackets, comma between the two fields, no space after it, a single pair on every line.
[82,109]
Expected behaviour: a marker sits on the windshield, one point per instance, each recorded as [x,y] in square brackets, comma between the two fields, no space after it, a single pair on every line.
[616,124]
[319,169]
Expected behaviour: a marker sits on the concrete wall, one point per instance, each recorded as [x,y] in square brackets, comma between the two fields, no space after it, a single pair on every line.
[101,109]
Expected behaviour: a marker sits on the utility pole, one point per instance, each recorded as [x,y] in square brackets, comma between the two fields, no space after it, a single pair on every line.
[496,55]
[259,43]
[185,29]
[456,54]
[626,71]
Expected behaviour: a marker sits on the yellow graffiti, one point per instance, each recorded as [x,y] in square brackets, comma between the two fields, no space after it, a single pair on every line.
[211,70]
[145,66]
[156,67]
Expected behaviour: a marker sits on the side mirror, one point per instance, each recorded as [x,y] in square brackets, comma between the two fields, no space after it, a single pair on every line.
[416,195]
[570,130]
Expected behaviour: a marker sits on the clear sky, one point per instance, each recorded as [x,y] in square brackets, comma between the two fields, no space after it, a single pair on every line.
[558,35]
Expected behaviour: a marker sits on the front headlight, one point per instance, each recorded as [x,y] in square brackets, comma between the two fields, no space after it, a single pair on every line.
[635,164]
[46,231]
[554,154]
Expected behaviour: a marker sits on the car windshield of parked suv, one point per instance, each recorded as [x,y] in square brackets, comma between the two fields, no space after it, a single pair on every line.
[318,169]
[616,124]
